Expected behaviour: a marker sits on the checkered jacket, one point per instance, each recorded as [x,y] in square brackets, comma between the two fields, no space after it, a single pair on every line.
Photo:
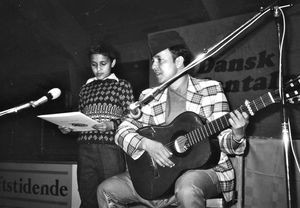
[204,97]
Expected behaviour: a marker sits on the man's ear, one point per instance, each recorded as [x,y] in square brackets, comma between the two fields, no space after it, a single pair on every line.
[179,62]
[113,63]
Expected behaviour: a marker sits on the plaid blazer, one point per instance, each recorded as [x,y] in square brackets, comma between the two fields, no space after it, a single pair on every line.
[204,97]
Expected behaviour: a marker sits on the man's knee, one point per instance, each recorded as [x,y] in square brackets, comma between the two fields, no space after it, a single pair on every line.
[107,185]
[100,190]
[102,196]
[186,192]
[190,196]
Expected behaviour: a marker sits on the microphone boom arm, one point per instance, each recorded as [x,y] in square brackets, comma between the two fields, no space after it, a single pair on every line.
[135,107]
[16,109]
[52,95]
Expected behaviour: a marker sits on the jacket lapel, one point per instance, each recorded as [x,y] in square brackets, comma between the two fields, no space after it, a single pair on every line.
[193,96]
[159,107]
[160,101]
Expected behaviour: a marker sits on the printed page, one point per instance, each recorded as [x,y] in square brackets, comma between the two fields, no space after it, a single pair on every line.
[74,120]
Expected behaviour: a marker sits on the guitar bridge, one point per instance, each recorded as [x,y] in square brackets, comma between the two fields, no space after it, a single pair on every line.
[153,131]
[155,169]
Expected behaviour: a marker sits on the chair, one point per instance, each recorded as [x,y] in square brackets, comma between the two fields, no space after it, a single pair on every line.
[238,164]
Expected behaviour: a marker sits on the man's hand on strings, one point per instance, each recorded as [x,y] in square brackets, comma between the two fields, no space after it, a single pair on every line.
[158,152]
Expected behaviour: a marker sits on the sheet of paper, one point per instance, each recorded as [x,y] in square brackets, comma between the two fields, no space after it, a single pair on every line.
[74,120]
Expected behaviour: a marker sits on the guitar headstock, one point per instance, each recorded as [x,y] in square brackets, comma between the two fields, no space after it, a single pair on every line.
[291,95]
[291,90]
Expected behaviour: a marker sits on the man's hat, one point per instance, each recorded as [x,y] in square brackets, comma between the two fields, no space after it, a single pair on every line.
[161,41]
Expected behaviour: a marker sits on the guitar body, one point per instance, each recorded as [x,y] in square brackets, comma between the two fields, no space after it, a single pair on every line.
[152,181]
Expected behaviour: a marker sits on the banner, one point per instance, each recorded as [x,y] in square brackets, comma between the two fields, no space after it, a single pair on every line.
[249,66]
[38,185]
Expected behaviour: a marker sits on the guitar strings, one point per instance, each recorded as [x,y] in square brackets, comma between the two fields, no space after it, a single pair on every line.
[257,104]
[182,141]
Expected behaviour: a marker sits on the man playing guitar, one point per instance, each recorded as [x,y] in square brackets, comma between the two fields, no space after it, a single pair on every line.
[187,94]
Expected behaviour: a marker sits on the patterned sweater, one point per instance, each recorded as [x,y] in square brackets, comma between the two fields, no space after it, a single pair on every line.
[104,100]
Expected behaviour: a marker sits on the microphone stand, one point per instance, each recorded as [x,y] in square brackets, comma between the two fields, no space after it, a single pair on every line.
[16,109]
[285,130]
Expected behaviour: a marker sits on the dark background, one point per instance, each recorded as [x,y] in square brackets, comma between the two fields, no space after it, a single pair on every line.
[43,44]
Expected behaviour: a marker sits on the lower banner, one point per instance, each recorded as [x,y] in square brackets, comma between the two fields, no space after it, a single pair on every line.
[35,185]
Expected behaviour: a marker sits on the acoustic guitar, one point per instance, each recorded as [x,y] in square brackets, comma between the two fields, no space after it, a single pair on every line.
[190,141]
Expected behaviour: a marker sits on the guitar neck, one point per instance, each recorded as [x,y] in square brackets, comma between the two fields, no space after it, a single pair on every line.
[222,122]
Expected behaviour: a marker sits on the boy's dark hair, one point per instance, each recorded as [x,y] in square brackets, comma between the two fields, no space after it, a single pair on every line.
[104,49]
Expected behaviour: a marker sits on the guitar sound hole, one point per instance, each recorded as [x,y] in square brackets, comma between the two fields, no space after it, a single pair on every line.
[179,144]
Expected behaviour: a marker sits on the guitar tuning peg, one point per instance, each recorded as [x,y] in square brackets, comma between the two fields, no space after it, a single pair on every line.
[291,100]
[294,100]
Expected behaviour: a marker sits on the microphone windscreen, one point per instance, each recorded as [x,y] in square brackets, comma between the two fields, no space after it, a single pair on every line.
[55,93]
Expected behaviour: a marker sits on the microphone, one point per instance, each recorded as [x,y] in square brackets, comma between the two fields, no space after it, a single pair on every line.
[134,110]
[51,95]
[276,11]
